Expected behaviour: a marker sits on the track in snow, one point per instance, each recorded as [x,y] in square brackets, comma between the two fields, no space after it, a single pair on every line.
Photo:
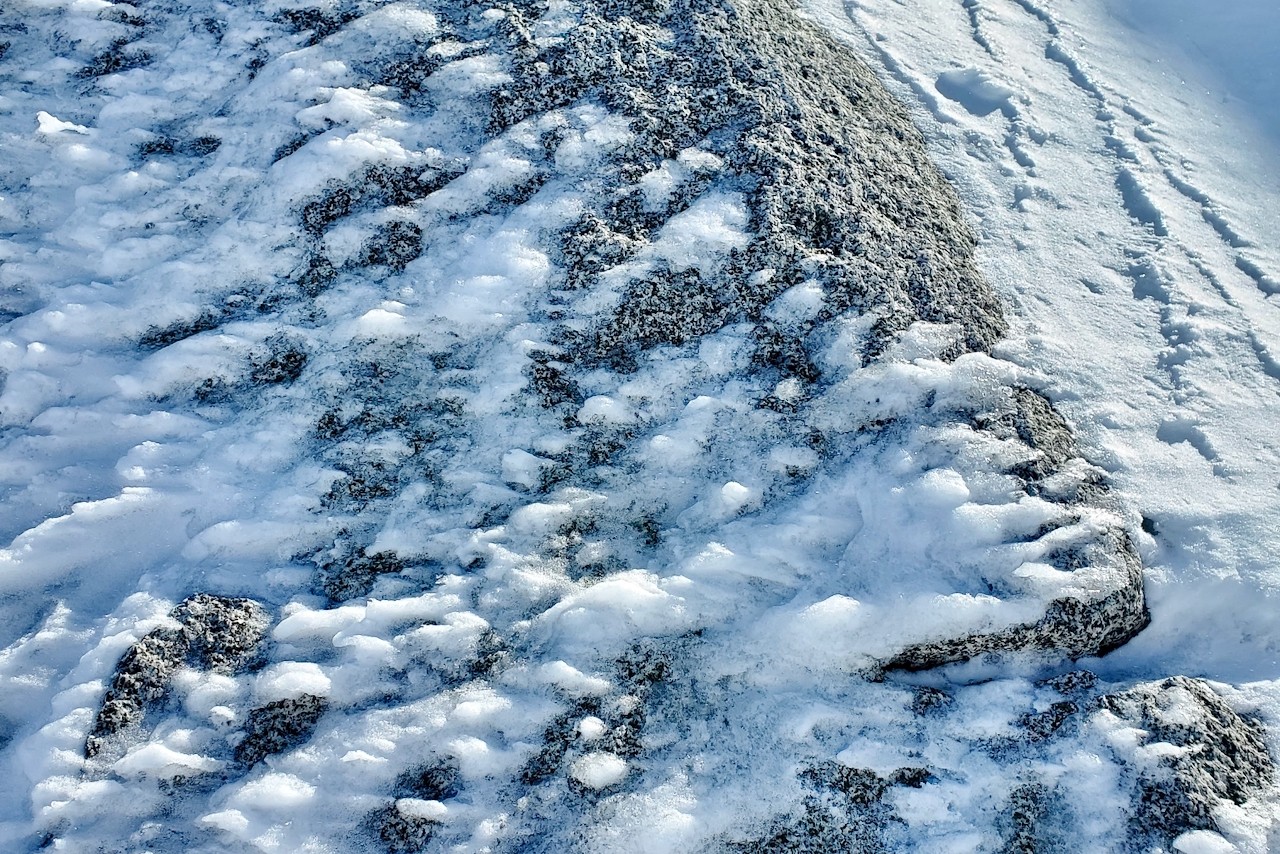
[1100,193]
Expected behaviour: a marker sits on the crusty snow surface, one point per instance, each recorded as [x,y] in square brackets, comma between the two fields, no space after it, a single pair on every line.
[487,593]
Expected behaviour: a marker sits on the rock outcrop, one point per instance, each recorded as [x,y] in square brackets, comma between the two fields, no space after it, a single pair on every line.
[645,462]
[212,633]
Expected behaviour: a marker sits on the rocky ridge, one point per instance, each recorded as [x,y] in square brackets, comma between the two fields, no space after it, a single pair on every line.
[610,348]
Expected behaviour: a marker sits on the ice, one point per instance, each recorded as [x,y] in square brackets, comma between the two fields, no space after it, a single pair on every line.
[156,760]
[573,681]
[602,409]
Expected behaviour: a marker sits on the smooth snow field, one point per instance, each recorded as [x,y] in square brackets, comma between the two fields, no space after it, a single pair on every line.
[405,448]
[1226,50]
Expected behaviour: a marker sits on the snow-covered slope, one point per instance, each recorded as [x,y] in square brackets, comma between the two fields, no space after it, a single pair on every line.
[1122,175]
[555,427]
[1127,210]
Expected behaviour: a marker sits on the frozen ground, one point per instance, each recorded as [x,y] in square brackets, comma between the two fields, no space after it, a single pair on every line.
[582,494]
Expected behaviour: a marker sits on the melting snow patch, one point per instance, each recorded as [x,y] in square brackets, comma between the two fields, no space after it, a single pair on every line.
[418,808]
[289,680]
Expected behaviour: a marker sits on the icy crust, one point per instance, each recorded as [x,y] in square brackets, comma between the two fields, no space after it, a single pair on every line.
[582,413]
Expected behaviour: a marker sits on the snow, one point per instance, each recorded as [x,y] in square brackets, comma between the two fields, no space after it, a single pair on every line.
[158,760]
[291,679]
[1118,161]
[1140,279]
[599,770]
[1203,842]
[1227,50]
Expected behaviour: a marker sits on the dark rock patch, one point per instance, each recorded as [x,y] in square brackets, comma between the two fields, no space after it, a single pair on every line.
[843,811]
[434,781]
[354,575]
[156,337]
[1031,822]
[213,633]
[395,245]
[281,364]
[115,59]
[315,23]
[279,726]
[399,831]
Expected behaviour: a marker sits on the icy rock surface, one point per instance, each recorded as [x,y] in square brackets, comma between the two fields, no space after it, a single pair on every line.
[575,428]
[1209,753]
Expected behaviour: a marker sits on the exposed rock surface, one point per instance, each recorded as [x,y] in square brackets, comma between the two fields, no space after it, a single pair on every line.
[279,726]
[614,346]
[1199,753]
[212,633]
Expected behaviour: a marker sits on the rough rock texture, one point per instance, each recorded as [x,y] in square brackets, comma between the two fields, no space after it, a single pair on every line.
[755,105]
[1027,823]
[279,726]
[212,633]
[1182,750]
[602,352]
[398,830]
[1206,754]
[840,187]
[844,811]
